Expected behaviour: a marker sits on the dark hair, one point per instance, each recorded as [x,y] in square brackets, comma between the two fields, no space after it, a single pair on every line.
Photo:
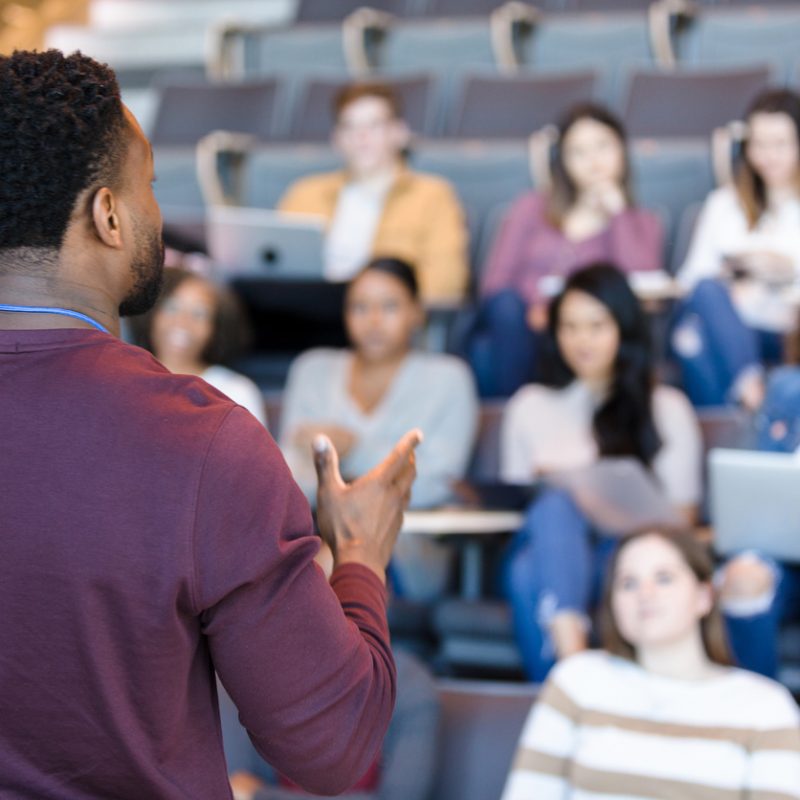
[62,131]
[699,560]
[749,184]
[356,91]
[563,193]
[623,424]
[231,333]
[397,268]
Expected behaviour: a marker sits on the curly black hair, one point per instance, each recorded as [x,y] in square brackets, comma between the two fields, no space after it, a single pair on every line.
[62,131]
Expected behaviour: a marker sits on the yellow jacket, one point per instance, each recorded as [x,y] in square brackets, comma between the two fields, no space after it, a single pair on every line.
[422,223]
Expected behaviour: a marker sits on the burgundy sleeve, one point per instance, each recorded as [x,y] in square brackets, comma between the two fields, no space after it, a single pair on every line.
[637,240]
[507,255]
[307,664]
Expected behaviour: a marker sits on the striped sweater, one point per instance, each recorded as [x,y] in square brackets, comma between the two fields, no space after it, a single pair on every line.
[604,728]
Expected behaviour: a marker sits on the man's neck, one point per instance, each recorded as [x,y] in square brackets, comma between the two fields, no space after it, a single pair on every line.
[377,179]
[54,292]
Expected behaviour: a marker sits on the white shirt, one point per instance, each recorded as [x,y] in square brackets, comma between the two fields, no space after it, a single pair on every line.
[238,388]
[348,244]
[722,230]
[603,727]
[545,428]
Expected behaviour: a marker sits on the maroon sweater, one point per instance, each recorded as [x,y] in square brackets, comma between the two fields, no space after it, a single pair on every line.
[151,533]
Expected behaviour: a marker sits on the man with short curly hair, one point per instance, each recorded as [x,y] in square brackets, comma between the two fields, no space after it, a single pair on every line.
[151,531]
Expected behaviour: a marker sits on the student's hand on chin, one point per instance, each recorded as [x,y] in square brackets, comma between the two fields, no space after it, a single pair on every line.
[360,521]
[607,198]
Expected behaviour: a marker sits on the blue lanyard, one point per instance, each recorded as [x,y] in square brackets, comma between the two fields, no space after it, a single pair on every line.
[64,312]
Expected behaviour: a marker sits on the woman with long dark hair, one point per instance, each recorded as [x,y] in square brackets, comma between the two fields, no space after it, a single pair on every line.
[587,213]
[659,712]
[744,256]
[598,401]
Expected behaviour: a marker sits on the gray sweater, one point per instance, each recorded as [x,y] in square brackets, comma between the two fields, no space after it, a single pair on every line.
[431,391]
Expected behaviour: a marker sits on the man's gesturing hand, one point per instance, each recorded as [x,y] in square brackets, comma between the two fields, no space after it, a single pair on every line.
[360,520]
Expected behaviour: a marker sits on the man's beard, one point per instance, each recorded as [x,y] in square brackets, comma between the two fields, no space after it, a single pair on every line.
[148,270]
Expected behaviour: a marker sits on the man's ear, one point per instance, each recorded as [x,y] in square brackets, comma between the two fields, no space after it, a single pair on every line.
[106,219]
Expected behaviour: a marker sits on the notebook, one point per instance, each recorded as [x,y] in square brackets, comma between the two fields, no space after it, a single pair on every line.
[618,496]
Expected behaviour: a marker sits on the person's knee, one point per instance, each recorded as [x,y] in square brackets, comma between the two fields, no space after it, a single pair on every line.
[746,577]
[520,573]
[708,294]
[554,511]
[504,307]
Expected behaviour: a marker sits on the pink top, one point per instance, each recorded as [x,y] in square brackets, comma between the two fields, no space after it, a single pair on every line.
[528,247]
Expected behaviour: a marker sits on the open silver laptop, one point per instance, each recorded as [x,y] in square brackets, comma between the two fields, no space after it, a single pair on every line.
[256,242]
[755,502]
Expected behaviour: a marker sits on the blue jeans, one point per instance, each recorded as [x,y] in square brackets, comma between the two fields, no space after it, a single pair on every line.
[778,419]
[501,348]
[556,563]
[754,639]
[713,345]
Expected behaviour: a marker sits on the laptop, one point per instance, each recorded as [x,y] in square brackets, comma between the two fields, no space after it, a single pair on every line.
[258,242]
[755,502]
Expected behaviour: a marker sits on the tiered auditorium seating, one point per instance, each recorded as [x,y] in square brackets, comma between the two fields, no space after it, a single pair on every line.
[682,104]
[337,10]
[312,120]
[736,36]
[188,111]
[616,42]
[501,107]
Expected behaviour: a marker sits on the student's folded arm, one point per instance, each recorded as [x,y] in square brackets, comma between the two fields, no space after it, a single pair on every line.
[307,664]
[516,459]
[679,462]
[303,404]
[450,431]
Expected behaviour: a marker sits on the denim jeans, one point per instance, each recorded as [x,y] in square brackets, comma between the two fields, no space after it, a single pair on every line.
[754,638]
[778,419]
[713,345]
[556,563]
[501,348]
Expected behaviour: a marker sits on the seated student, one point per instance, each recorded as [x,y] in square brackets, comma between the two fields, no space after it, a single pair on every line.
[376,204]
[758,593]
[195,328]
[362,396]
[406,769]
[659,712]
[587,214]
[598,400]
[745,251]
